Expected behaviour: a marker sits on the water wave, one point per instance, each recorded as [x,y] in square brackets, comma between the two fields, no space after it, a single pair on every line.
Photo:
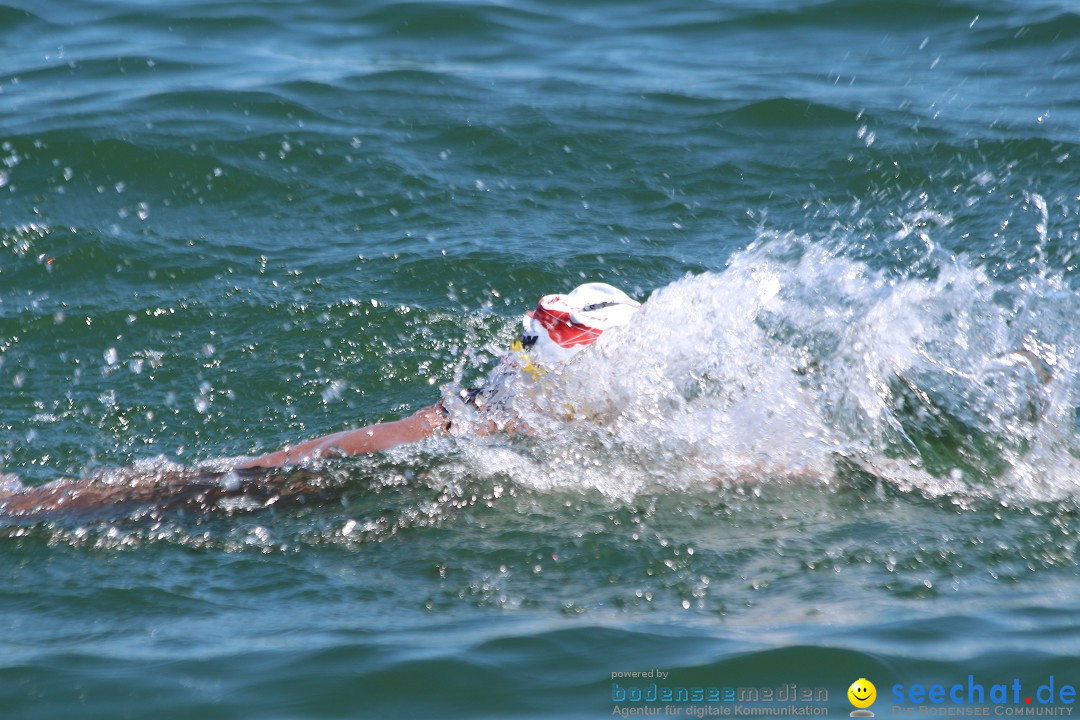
[795,358]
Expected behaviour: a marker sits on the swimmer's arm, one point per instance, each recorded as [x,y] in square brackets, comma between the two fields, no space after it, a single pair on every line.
[422,424]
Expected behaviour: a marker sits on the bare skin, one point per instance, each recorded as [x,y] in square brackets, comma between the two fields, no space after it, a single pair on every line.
[125,490]
[259,476]
[422,424]
[271,476]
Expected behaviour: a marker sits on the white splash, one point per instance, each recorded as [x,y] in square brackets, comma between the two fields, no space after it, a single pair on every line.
[795,356]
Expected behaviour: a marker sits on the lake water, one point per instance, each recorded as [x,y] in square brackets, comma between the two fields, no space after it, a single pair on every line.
[841,441]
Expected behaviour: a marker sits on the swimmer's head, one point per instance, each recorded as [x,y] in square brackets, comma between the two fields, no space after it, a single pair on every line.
[563,325]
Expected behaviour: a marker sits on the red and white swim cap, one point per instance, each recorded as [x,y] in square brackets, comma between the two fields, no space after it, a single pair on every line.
[563,325]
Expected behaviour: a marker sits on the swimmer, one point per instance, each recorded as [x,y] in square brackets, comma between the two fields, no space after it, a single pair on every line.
[558,329]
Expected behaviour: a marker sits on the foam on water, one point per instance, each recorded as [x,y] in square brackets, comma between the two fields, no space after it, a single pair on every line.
[796,361]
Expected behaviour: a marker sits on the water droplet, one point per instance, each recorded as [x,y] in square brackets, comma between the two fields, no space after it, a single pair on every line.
[230,481]
[334,391]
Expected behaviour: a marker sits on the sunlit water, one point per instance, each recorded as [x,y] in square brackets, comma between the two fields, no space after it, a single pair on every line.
[840,440]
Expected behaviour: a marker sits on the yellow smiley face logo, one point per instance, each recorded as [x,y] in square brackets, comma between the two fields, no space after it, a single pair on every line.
[862,693]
